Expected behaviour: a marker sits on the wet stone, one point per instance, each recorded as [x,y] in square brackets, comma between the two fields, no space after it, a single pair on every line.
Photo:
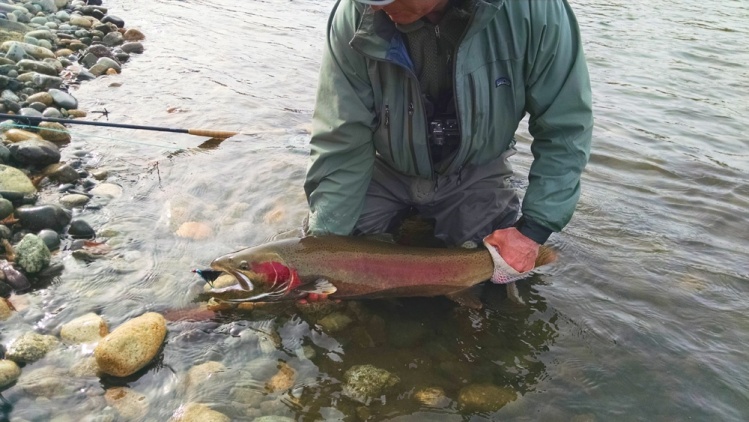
[196,412]
[61,173]
[54,132]
[9,372]
[47,381]
[133,34]
[50,238]
[48,216]
[484,397]
[30,347]
[15,181]
[63,99]
[52,112]
[335,322]
[32,254]
[37,106]
[6,309]
[130,404]
[119,22]
[84,329]
[35,152]
[132,345]
[80,229]
[365,382]
[133,48]
[6,208]
[113,39]
[74,200]
[99,50]
[30,112]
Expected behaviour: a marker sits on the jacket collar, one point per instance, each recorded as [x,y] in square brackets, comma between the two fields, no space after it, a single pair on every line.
[378,37]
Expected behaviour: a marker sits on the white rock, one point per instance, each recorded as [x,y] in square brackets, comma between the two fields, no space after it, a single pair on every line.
[107,189]
[84,329]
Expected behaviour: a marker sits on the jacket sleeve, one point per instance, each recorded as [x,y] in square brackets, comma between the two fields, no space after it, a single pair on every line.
[558,99]
[341,146]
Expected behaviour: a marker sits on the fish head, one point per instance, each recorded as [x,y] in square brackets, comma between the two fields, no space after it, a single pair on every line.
[262,274]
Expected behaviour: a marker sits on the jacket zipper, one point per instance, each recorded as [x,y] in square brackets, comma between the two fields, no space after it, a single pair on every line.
[455,89]
[390,137]
[411,128]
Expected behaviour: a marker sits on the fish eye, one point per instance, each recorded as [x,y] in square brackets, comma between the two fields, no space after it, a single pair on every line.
[243,265]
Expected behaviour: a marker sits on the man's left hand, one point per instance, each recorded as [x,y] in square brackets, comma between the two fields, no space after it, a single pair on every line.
[516,249]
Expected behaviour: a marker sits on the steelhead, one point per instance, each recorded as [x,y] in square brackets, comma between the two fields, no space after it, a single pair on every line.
[353,268]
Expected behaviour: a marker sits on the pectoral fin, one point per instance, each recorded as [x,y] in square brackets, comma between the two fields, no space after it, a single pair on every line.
[468,298]
[320,286]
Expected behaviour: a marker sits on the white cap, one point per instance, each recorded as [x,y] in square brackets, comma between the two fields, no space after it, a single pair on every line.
[376,2]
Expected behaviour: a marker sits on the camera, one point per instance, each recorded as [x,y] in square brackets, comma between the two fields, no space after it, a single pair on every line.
[444,132]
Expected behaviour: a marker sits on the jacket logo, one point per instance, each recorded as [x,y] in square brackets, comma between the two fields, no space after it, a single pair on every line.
[502,81]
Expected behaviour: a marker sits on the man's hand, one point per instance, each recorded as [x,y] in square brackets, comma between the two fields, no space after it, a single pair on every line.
[518,251]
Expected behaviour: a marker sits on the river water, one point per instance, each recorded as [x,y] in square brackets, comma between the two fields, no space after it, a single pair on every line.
[643,318]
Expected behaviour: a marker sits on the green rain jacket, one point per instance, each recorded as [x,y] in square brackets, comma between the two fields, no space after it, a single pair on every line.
[516,57]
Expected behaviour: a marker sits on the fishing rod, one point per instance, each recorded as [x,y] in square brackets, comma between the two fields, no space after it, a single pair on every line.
[34,121]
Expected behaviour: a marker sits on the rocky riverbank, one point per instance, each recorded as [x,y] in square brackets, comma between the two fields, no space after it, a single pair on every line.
[48,47]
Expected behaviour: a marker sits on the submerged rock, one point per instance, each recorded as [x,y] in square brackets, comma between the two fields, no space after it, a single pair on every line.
[30,347]
[130,404]
[84,329]
[196,412]
[484,397]
[432,397]
[132,345]
[47,381]
[283,380]
[9,372]
[365,382]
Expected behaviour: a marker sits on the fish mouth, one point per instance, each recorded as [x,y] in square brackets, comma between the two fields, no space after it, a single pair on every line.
[277,291]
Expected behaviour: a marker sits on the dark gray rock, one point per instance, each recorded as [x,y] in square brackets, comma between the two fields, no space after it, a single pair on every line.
[5,232]
[35,152]
[5,290]
[49,216]
[99,50]
[133,47]
[79,229]
[113,39]
[63,99]
[115,20]
[40,107]
[6,208]
[50,238]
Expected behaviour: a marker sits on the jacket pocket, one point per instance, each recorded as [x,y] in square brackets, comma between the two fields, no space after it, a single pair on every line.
[494,111]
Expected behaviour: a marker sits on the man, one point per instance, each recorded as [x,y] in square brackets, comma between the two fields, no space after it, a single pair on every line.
[417,106]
